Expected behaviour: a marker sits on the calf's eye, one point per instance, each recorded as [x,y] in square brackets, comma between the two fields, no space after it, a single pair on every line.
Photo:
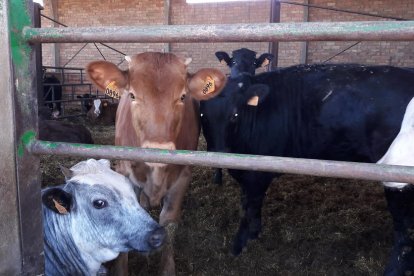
[182,97]
[99,204]
[132,96]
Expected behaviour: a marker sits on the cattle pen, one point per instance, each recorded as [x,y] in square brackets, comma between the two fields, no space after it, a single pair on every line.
[20,205]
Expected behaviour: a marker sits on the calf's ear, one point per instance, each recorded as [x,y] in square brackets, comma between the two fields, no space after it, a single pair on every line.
[256,94]
[68,173]
[57,200]
[206,83]
[108,77]
[224,58]
[264,60]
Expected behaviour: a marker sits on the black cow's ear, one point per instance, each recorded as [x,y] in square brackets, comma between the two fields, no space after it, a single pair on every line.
[264,60]
[57,200]
[223,57]
[256,94]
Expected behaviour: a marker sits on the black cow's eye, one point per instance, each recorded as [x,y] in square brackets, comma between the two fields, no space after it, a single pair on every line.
[182,97]
[132,96]
[99,204]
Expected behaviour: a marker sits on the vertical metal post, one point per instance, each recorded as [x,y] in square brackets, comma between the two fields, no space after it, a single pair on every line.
[305,44]
[167,21]
[10,254]
[38,50]
[274,45]
[21,240]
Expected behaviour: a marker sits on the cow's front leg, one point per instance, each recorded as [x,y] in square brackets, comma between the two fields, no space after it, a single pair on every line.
[253,193]
[401,207]
[169,217]
[218,177]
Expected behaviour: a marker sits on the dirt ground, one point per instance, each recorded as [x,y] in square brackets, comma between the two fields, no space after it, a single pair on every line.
[311,225]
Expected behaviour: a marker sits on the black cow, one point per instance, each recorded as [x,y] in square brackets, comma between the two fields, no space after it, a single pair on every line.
[52,91]
[334,112]
[57,131]
[242,61]
[86,101]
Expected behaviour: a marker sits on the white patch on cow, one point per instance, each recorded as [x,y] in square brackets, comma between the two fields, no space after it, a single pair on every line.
[327,95]
[93,172]
[240,84]
[97,104]
[401,151]
[201,115]
[187,61]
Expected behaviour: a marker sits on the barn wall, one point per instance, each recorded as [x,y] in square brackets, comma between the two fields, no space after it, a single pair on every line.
[216,13]
[386,52]
[152,12]
[47,49]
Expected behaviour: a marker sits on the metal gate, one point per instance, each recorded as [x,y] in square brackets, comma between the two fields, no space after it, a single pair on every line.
[21,242]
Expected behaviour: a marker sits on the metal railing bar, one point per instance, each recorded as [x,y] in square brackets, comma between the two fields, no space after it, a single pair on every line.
[302,31]
[64,68]
[103,44]
[314,167]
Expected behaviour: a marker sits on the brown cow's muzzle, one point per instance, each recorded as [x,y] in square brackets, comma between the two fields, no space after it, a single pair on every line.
[155,145]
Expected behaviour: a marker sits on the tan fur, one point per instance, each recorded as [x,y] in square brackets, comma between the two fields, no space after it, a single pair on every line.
[157,115]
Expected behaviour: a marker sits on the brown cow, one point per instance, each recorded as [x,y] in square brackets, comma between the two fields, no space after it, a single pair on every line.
[158,109]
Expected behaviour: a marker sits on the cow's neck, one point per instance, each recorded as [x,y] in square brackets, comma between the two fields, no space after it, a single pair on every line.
[62,256]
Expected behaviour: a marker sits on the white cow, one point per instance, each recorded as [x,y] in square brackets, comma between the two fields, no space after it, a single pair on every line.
[400,198]
[401,151]
[92,218]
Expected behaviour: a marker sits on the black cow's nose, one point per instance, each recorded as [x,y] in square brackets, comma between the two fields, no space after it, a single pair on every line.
[157,237]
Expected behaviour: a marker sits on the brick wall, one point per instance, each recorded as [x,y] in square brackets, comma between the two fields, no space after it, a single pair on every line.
[47,49]
[217,13]
[291,52]
[152,12]
[392,53]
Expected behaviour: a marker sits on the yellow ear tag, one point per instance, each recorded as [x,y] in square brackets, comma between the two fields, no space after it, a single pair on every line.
[112,91]
[265,62]
[253,101]
[62,210]
[209,86]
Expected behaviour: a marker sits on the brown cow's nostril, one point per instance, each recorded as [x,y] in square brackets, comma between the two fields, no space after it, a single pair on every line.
[157,237]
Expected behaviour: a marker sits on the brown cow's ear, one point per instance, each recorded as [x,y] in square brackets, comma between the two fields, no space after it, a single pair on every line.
[206,83]
[107,76]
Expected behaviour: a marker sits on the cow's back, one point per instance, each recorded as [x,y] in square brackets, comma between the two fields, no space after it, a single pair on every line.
[337,112]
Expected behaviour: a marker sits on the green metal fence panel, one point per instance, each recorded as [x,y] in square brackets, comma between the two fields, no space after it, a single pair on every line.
[21,249]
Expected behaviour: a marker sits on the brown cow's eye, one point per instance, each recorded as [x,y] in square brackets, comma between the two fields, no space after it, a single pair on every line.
[182,97]
[132,96]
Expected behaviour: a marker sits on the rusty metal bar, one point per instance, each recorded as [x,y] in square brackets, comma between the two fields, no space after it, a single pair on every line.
[234,161]
[308,31]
